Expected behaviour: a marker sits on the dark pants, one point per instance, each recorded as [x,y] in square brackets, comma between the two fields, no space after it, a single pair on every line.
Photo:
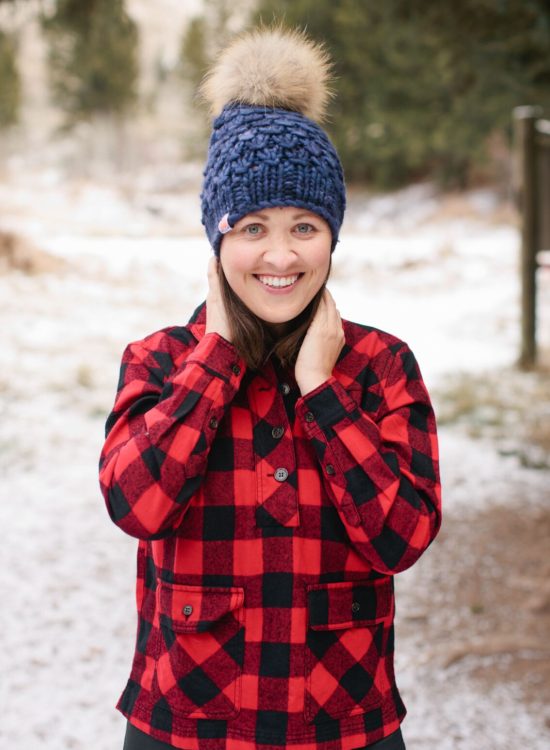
[137,740]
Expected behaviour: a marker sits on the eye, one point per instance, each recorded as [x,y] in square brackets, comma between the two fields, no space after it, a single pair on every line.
[304,228]
[253,229]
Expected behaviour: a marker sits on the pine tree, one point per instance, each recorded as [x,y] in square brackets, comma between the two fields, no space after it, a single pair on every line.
[422,85]
[194,57]
[207,34]
[203,38]
[93,58]
[10,85]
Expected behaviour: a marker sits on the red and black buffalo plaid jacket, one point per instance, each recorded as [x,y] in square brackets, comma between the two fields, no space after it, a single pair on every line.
[270,526]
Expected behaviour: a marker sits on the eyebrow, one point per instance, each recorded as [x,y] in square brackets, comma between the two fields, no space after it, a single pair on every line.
[295,217]
[256,215]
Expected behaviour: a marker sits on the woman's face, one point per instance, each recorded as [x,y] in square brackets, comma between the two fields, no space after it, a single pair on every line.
[276,260]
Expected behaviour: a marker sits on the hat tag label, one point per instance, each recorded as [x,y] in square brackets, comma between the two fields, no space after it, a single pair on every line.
[223,225]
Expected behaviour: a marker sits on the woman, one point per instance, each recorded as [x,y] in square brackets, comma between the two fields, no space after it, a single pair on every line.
[277,463]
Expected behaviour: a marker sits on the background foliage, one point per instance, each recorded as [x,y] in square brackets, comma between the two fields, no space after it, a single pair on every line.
[424,89]
[10,88]
[204,37]
[93,57]
[423,85]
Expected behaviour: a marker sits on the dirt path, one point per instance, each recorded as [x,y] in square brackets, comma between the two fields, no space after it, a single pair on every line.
[474,612]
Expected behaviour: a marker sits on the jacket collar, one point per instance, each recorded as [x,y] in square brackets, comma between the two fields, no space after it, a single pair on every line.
[197,326]
[197,321]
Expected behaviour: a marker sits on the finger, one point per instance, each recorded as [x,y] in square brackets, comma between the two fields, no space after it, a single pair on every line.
[212,266]
[331,304]
[212,273]
[320,316]
[336,320]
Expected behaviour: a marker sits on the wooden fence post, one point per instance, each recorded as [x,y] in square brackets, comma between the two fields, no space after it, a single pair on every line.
[525,140]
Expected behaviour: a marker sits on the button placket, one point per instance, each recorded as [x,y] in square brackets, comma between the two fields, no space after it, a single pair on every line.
[275,459]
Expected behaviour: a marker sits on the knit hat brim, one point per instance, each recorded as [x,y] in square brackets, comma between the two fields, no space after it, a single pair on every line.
[261,158]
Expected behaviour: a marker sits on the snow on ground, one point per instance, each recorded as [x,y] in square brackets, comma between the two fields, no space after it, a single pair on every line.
[136,261]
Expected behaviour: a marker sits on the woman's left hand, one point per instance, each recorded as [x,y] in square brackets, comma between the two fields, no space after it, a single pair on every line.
[216,315]
[321,346]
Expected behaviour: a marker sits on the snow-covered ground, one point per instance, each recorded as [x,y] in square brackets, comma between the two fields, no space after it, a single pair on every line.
[443,279]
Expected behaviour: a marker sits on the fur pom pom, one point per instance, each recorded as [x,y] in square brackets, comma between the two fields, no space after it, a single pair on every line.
[271,68]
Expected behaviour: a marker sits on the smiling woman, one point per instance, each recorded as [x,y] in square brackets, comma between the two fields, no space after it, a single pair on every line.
[287,252]
[276,262]
[278,464]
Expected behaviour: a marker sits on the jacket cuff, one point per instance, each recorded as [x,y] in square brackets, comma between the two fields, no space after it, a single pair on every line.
[217,356]
[325,406]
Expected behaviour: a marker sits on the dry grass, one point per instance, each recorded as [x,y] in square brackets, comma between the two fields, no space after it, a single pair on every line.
[84,376]
[512,407]
[458,205]
[18,254]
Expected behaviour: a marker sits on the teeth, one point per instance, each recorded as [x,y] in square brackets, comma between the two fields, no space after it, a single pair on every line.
[278,280]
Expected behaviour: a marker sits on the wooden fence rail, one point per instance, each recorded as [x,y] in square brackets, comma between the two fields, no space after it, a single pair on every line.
[532,176]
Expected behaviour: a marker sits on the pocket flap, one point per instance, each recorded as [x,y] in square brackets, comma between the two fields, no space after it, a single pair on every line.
[194,609]
[332,606]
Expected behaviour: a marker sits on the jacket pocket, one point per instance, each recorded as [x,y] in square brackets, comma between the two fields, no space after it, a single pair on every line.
[349,647]
[200,649]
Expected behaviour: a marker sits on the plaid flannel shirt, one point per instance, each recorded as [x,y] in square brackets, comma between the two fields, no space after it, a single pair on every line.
[270,527]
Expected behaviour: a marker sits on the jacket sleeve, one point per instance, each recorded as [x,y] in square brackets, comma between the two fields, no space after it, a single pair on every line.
[160,431]
[382,474]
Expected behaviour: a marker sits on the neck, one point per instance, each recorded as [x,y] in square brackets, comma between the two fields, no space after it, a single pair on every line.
[280,329]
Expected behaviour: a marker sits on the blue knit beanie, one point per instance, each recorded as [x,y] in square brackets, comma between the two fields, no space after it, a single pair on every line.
[262,156]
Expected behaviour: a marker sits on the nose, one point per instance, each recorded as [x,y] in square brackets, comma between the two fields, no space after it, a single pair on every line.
[280,253]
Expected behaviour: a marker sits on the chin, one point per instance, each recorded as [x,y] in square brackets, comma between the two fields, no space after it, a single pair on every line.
[282,319]
[290,321]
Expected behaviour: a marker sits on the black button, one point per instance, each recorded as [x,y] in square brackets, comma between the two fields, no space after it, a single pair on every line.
[309,416]
[285,388]
[278,432]
[355,607]
[329,468]
[281,474]
[213,423]
[236,369]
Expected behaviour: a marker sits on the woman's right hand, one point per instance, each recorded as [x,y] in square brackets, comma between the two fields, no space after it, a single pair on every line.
[321,346]
[216,317]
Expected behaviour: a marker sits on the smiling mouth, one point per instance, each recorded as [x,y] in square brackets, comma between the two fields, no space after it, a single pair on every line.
[279,282]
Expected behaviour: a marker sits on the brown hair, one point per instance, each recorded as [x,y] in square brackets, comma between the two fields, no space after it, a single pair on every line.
[254,339]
